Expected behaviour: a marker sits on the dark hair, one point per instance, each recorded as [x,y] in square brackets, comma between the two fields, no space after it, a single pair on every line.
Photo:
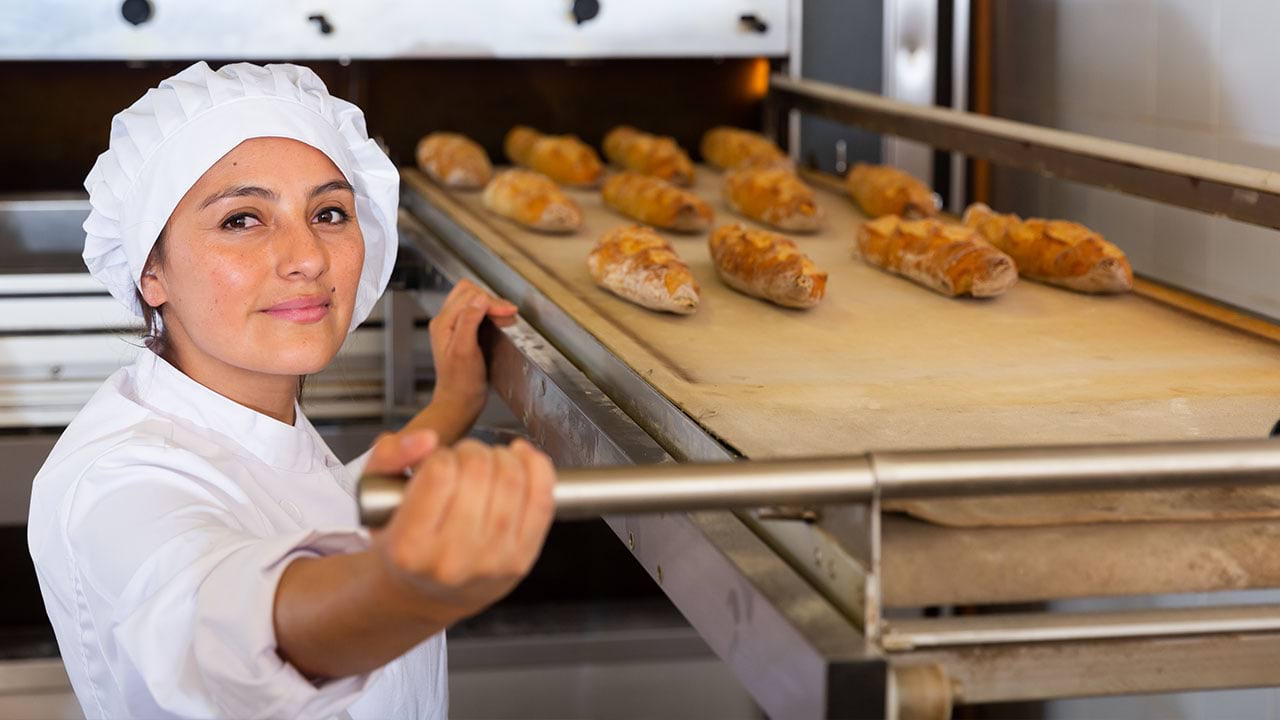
[154,337]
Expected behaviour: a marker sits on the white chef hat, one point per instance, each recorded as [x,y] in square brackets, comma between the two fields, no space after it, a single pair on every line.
[164,142]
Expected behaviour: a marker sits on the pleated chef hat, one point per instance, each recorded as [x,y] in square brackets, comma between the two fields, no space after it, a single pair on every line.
[164,142]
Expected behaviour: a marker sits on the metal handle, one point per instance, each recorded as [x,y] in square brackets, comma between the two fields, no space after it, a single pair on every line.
[589,492]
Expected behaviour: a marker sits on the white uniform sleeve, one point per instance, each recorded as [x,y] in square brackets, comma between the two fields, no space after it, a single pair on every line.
[187,587]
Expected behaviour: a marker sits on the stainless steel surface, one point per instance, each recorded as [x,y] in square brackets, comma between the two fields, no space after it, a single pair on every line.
[1235,191]
[398,371]
[772,611]
[897,475]
[912,634]
[389,29]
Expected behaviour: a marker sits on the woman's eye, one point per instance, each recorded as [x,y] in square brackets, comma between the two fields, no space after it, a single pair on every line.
[240,221]
[331,216]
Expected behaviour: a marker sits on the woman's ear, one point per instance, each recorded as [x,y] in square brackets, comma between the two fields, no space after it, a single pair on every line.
[154,292]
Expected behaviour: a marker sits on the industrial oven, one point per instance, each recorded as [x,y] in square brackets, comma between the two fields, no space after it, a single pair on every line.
[893,506]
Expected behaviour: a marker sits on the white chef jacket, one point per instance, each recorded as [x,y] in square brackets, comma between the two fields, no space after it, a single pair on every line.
[160,526]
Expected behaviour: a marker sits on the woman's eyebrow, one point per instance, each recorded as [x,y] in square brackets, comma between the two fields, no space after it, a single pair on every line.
[331,186]
[240,191]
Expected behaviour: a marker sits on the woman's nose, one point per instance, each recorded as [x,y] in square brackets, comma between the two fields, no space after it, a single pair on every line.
[301,252]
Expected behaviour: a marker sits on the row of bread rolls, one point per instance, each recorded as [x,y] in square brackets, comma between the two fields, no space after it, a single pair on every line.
[637,264]
[982,257]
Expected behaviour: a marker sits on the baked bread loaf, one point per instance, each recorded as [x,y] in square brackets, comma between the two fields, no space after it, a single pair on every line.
[773,196]
[885,190]
[454,160]
[731,148]
[766,265]
[637,264]
[656,202]
[1055,251]
[563,158]
[951,259]
[533,200]
[659,156]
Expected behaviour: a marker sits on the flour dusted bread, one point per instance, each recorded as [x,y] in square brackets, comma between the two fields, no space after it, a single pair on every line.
[656,202]
[655,155]
[533,200]
[563,158]
[951,259]
[454,160]
[1055,251]
[637,264]
[730,148]
[773,196]
[885,190]
[766,265]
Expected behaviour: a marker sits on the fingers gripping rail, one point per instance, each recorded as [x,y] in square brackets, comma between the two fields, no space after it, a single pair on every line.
[671,487]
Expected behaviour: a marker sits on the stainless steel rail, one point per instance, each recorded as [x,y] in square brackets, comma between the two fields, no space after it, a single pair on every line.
[1243,193]
[589,492]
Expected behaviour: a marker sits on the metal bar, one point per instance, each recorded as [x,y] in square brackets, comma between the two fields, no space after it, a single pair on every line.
[912,634]
[893,475]
[1242,193]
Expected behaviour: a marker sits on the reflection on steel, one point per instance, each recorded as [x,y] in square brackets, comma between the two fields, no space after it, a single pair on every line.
[1242,193]
[895,475]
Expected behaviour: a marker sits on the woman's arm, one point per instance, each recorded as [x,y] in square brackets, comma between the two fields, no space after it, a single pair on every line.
[461,376]
[471,525]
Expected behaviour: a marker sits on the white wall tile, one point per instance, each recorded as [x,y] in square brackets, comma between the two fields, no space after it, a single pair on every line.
[1249,106]
[1106,56]
[1187,51]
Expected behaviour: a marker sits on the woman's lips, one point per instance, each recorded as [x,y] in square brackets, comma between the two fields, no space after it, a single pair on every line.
[303,310]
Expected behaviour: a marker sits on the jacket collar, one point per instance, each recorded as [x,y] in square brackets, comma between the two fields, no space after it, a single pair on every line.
[171,392]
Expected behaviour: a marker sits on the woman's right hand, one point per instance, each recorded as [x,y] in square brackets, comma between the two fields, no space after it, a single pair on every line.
[471,524]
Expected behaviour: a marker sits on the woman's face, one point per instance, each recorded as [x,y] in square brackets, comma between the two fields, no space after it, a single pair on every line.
[261,260]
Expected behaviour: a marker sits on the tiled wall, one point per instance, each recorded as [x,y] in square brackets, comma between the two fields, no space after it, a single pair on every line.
[1200,77]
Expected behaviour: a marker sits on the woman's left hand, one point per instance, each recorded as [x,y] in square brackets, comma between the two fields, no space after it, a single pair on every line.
[461,376]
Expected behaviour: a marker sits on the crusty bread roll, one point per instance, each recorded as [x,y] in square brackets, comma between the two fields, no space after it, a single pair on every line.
[656,202]
[774,196]
[637,264]
[659,156]
[951,259]
[731,148]
[1055,251]
[885,190]
[766,265]
[533,200]
[454,160]
[563,158]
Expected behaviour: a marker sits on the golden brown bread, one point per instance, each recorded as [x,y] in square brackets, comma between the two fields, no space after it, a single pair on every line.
[454,160]
[1055,251]
[766,265]
[731,148]
[885,190]
[637,264]
[563,158]
[533,200]
[774,196]
[656,202]
[654,155]
[951,259]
